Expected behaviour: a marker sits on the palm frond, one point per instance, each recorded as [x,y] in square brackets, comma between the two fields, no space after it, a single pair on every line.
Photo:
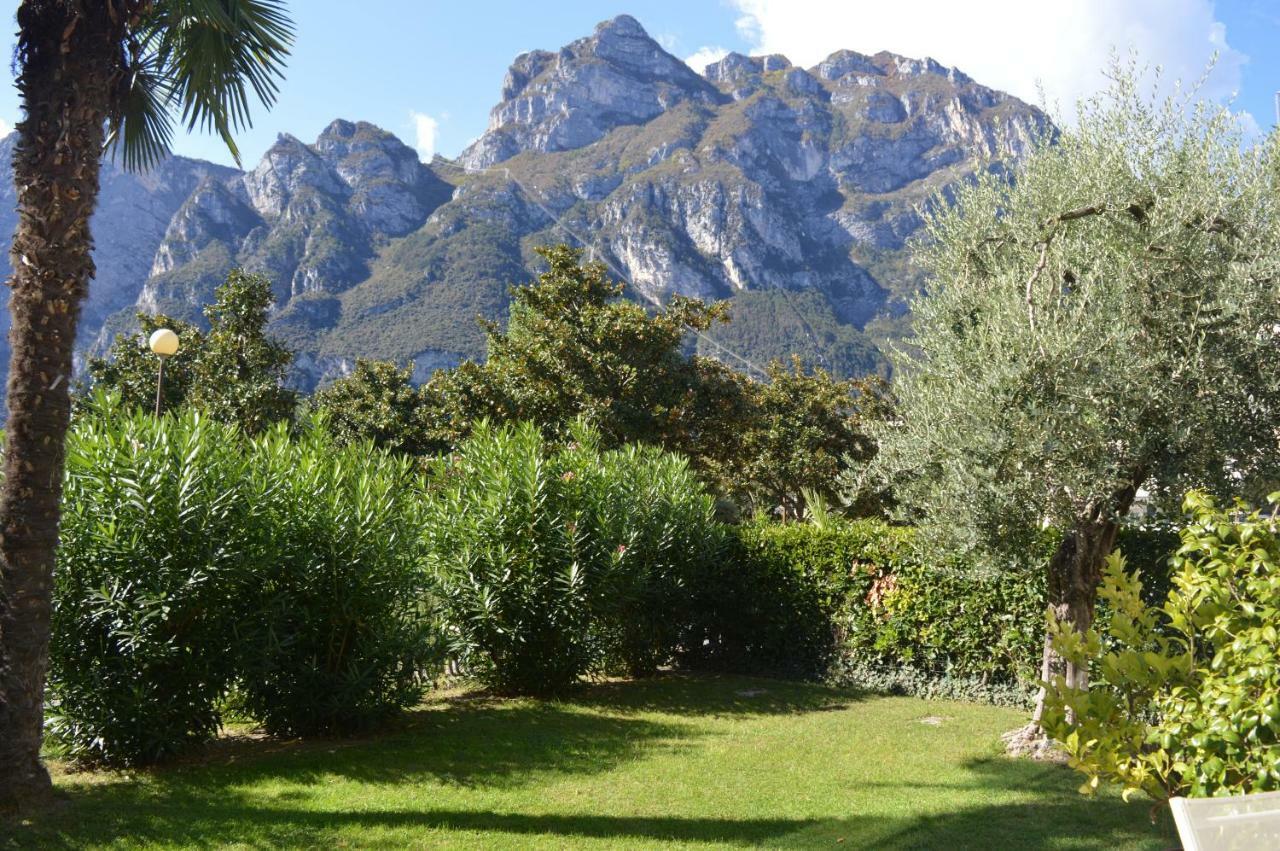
[142,130]
[204,60]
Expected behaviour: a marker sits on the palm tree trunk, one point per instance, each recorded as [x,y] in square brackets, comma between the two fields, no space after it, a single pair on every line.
[64,53]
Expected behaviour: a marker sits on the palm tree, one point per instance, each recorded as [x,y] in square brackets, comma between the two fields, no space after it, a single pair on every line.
[94,75]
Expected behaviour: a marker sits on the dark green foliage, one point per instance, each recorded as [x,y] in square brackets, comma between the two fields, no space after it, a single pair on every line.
[378,402]
[502,537]
[860,602]
[194,559]
[130,370]
[803,429]
[774,602]
[553,564]
[240,372]
[157,539]
[573,349]
[233,372]
[650,522]
[341,636]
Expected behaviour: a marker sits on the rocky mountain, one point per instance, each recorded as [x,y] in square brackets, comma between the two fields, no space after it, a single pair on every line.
[789,190]
[128,226]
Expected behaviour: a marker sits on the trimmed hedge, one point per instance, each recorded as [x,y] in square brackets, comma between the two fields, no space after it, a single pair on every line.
[859,603]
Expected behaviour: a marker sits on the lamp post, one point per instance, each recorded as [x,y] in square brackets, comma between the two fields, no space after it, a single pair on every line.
[164,343]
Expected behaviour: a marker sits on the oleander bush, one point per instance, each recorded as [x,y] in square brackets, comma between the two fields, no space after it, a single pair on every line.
[650,525]
[1184,697]
[555,563]
[159,540]
[343,633]
[195,560]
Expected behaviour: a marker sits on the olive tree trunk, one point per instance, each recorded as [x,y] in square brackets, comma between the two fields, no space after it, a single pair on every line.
[1074,573]
[64,57]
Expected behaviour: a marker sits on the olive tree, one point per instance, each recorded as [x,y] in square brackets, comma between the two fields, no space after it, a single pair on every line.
[1101,317]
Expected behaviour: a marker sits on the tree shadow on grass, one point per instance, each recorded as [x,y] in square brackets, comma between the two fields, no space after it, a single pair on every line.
[701,694]
[498,744]
[484,743]
[1054,821]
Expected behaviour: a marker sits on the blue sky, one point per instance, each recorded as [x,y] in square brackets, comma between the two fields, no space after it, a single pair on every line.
[430,71]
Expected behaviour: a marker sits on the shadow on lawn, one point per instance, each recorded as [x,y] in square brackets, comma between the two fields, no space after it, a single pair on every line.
[490,743]
[481,742]
[205,816]
[694,695]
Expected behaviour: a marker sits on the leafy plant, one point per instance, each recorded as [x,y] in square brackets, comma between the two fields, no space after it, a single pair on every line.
[343,633]
[557,563]
[804,428]
[574,349]
[158,538]
[1099,319]
[504,539]
[869,603]
[1184,698]
[649,528]
[195,559]
[378,402]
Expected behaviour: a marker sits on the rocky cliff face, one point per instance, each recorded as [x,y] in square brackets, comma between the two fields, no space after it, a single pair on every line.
[791,191]
[565,100]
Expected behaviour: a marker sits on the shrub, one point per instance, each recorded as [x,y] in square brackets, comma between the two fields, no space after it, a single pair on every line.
[157,536]
[554,564]
[342,635]
[777,602]
[860,603]
[1184,698]
[502,535]
[648,525]
[194,559]
[949,618]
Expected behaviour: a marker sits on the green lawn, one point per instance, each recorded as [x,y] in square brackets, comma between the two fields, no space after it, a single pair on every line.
[676,762]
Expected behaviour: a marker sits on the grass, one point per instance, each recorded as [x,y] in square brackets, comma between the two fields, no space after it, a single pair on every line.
[674,763]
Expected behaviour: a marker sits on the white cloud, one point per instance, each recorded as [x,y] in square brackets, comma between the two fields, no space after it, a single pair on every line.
[424,130]
[1013,45]
[5,128]
[668,41]
[704,56]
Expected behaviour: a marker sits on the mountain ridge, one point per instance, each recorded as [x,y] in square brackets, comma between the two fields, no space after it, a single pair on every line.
[791,191]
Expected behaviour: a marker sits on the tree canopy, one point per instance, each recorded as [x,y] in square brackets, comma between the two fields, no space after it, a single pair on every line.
[235,372]
[1107,320]
[576,350]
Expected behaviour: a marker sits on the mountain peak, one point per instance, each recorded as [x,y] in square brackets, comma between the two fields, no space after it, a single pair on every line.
[339,128]
[559,101]
[622,25]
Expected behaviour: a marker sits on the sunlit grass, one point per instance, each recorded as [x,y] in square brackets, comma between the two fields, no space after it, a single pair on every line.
[676,762]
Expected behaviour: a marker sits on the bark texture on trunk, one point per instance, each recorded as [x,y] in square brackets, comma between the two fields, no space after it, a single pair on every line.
[65,56]
[1074,573]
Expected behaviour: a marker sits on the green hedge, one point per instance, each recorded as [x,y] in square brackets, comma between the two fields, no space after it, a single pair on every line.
[342,633]
[861,603]
[157,538]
